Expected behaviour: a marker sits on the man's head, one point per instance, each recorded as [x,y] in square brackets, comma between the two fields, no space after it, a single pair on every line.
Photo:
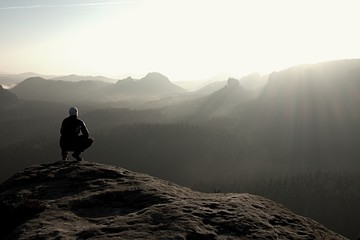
[73,111]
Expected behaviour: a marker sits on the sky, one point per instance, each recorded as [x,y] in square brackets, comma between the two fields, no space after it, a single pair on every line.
[182,39]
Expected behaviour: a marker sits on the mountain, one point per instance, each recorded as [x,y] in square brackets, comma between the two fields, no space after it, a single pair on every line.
[254,81]
[77,78]
[215,100]
[251,81]
[308,113]
[84,200]
[37,88]
[13,79]
[210,88]
[218,104]
[221,102]
[152,85]
[192,85]
[7,98]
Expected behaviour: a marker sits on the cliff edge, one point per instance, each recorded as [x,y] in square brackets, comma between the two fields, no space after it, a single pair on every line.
[71,200]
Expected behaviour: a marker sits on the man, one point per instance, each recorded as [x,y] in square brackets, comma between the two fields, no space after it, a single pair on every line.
[70,139]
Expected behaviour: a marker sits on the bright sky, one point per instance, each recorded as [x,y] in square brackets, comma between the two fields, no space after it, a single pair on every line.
[183,39]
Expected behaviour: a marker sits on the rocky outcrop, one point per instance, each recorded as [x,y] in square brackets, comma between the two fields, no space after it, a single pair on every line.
[71,200]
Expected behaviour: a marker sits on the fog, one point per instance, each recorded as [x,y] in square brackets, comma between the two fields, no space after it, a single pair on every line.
[292,136]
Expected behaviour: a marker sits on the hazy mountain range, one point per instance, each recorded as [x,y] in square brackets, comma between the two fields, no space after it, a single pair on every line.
[152,85]
[217,103]
[304,124]
[308,113]
[77,78]
[13,79]
[7,99]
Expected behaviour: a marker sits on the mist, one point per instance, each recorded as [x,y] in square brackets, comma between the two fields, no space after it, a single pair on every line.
[291,136]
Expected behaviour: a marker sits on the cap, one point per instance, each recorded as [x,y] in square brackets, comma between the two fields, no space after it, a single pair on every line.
[73,111]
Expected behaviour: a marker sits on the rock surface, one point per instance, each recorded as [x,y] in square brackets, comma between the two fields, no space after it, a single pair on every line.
[71,200]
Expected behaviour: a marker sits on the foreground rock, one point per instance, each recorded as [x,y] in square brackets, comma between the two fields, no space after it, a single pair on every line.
[70,200]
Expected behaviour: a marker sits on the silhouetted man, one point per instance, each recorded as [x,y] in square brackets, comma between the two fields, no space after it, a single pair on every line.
[70,139]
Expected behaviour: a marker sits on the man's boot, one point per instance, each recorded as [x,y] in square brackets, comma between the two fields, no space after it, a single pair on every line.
[76,155]
[64,155]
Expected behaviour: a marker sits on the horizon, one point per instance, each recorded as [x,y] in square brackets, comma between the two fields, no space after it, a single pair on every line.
[183,40]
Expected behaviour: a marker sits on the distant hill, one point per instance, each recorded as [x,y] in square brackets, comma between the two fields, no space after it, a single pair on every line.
[7,99]
[152,85]
[251,81]
[37,88]
[85,200]
[210,88]
[77,78]
[13,79]
[254,81]
[216,99]
[192,85]
[218,104]
[222,102]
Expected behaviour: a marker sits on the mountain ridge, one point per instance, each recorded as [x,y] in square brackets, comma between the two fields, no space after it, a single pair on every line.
[7,99]
[152,85]
[77,78]
[217,104]
[11,80]
[307,113]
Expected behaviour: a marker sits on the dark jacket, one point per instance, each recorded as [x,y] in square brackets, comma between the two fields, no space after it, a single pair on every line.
[70,130]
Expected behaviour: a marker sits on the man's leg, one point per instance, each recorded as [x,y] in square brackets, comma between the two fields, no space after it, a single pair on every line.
[76,155]
[83,143]
[86,143]
[64,154]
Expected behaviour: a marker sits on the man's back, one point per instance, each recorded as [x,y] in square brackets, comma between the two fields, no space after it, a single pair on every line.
[72,126]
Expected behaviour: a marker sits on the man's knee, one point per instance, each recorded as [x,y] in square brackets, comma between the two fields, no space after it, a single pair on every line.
[87,143]
[90,141]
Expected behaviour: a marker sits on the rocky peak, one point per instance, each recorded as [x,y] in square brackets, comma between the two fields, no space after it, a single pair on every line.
[126,80]
[156,77]
[71,200]
[233,82]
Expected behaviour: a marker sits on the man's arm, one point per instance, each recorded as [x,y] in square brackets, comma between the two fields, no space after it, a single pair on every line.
[61,128]
[84,130]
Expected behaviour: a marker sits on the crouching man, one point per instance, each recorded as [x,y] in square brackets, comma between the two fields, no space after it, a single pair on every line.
[70,140]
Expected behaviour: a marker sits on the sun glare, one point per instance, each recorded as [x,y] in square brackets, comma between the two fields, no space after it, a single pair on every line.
[188,40]
[196,39]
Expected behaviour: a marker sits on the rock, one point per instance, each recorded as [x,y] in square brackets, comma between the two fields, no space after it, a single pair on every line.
[71,200]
